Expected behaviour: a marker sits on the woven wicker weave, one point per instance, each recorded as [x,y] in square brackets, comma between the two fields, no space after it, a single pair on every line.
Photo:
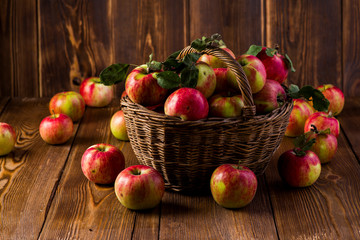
[187,152]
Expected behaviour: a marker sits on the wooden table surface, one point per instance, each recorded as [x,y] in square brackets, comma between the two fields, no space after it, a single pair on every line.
[44,195]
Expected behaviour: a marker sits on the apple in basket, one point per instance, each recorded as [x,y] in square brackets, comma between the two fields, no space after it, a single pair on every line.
[142,87]
[70,103]
[95,93]
[215,62]
[56,128]
[118,127]
[101,163]
[139,187]
[7,138]
[226,105]
[187,103]
[223,78]
[335,97]
[323,121]
[254,70]
[233,186]
[299,114]
[206,82]
[270,97]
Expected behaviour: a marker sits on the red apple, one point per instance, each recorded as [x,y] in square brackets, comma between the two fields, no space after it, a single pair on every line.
[276,67]
[233,186]
[56,128]
[206,82]
[95,93]
[299,168]
[101,163]
[118,127]
[254,70]
[223,79]
[270,97]
[226,105]
[123,94]
[323,121]
[70,103]
[139,187]
[325,145]
[187,103]
[142,87]
[7,138]
[300,113]
[335,97]
[213,61]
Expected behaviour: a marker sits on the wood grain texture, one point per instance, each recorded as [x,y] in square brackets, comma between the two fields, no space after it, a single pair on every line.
[19,50]
[76,42]
[28,174]
[239,22]
[351,49]
[3,102]
[349,120]
[82,209]
[312,41]
[199,217]
[329,209]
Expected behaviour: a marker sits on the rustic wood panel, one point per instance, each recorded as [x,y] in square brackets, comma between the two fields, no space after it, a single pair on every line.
[76,42]
[351,49]
[312,41]
[350,120]
[28,174]
[19,51]
[329,209]
[3,102]
[199,217]
[81,209]
[239,22]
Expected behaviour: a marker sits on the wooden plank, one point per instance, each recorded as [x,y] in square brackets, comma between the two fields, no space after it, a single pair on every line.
[76,42]
[349,120]
[3,102]
[239,22]
[82,209]
[29,174]
[329,209]
[199,217]
[350,38]
[312,41]
[18,38]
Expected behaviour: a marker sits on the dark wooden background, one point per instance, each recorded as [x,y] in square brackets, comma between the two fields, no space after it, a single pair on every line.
[46,44]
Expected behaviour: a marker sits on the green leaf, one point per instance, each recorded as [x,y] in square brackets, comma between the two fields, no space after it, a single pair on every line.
[114,73]
[198,44]
[152,65]
[303,143]
[320,103]
[289,63]
[173,64]
[191,58]
[189,76]
[168,79]
[271,51]
[204,42]
[293,91]
[254,50]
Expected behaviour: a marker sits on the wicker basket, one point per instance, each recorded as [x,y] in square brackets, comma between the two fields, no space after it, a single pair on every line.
[187,152]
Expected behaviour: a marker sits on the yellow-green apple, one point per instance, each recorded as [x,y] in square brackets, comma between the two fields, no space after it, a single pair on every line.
[95,93]
[270,97]
[323,121]
[276,67]
[187,103]
[139,187]
[142,87]
[254,70]
[299,168]
[101,163]
[7,138]
[56,128]
[335,97]
[206,82]
[118,127]
[233,186]
[223,79]
[325,145]
[299,114]
[226,105]
[215,62]
[70,103]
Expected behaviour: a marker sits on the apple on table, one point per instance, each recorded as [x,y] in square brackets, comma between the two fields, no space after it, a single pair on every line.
[95,93]
[335,97]
[101,163]
[298,116]
[56,128]
[118,127]
[7,138]
[139,187]
[70,103]
[323,121]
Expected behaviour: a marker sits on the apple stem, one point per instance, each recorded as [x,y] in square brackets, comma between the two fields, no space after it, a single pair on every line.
[277,47]
[314,129]
[53,113]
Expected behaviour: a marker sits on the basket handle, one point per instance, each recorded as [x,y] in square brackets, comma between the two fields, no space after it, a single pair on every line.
[249,106]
